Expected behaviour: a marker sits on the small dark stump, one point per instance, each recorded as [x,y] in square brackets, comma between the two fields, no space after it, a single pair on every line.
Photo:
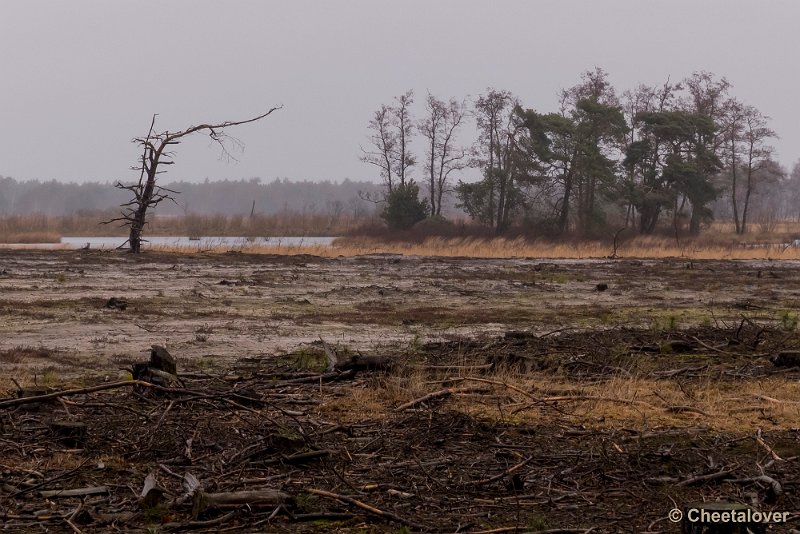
[70,434]
[787,358]
[33,391]
[162,360]
[365,363]
[161,370]
[116,304]
[601,287]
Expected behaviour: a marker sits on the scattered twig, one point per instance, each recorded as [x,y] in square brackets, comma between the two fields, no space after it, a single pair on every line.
[369,508]
[446,392]
[501,475]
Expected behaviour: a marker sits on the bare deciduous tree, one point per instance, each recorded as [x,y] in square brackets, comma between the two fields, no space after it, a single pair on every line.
[156,151]
[442,156]
[392,128]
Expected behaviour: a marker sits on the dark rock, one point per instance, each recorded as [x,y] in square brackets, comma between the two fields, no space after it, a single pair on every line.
[117,304]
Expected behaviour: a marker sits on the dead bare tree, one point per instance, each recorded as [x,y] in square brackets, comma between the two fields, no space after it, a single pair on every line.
[155,153]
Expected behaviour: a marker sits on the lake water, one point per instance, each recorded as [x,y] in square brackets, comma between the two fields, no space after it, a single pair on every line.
[204,243]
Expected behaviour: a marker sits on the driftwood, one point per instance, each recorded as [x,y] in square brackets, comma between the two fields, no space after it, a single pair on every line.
[265,497]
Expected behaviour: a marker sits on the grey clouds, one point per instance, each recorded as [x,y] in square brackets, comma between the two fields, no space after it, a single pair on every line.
[81,78]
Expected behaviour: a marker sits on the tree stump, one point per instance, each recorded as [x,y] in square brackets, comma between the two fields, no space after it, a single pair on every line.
[720,518]
[162,360]
[365,363]
[117,304]
[161,370]
[70,434]
[787,358]
[33,391]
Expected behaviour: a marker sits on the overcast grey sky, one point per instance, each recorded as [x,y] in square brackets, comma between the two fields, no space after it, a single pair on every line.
[81,78]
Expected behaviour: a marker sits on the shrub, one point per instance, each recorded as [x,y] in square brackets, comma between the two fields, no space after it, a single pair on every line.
[404,208]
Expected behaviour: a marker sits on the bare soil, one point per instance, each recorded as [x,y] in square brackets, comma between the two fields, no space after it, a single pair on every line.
[538,431]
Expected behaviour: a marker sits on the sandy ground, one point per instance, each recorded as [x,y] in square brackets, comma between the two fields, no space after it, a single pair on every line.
[213,309]
[520,397]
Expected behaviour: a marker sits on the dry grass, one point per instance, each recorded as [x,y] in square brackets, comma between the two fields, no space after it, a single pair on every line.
[639,247]
[623,402]
[26,228]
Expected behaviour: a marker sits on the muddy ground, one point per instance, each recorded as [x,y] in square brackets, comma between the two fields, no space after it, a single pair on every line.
[500,451]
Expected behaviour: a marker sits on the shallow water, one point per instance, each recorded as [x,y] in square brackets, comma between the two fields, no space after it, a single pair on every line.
[204,243]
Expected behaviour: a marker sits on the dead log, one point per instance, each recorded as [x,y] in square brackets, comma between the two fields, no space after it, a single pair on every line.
[266,497]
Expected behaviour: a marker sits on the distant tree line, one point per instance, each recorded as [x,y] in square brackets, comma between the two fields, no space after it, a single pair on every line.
[224,197]
[667,157]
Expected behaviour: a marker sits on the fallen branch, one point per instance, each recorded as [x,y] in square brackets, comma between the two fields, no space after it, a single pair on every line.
[446,392]
[501,475]
[763,443]
[504,384]
[190,525]
[203,501]
[78,492]
[368,508]
[79,391]
[776,487]
[705,478]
